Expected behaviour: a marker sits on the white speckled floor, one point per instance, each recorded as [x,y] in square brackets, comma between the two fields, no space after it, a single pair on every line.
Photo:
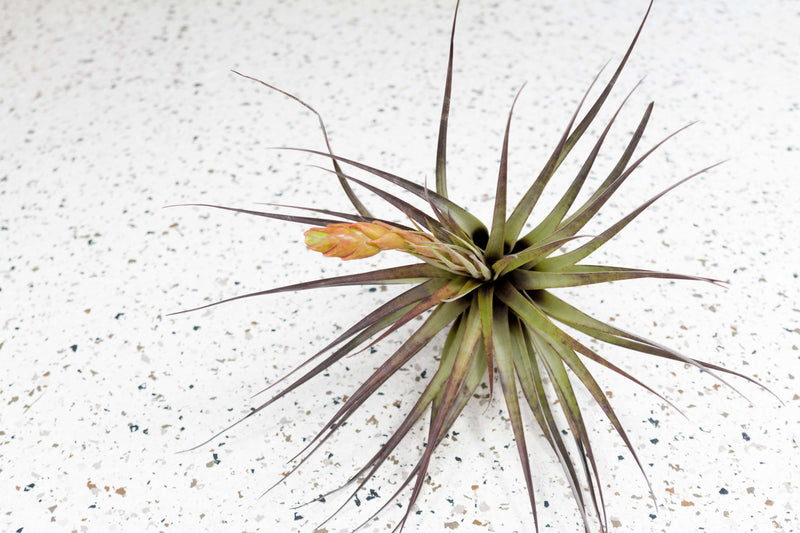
[112,110]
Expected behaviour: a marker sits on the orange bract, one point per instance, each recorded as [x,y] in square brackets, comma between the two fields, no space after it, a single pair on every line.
[364,239]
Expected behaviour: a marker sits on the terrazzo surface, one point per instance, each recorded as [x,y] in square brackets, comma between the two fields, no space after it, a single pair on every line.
[113,110]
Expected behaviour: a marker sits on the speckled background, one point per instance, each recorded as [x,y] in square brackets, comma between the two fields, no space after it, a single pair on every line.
[112,110]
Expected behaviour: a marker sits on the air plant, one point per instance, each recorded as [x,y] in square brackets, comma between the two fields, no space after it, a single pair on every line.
[489,288]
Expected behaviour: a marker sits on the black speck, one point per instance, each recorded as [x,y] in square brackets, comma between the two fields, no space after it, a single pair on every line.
[620,458]
[372,289]
[458,459]
[745,436]
[654,441]
[723,491]
[195,328]
[423,374]
[29,486]
[546,503]
[652,421]
[142,386]
[116,317]
[298,516]
[74,347]
[134,428]
[358,502]
[372,494]
[652,516]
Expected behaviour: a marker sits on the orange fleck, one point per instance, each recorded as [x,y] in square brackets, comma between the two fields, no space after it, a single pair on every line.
[684,503]
[120,491]
[90,484]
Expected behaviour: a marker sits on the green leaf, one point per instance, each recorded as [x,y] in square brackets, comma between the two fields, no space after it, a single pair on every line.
[428,395]
[525,206]
[441,146]
[523,210]
[577,220]
[575,318]
[613,176]
[475,373]
[404,207]
[535,318]
[570,258]
[324,364]
[579,369]
[414,296]
[388,309]
[569,406]
[529,255]
[441,316]
[485,307]
[345,216]
[534,279]
[288,218]
[345,186]
[556,215]
[494,248]
[455,382]
[403,274]
[501,337]
[531,382]
[465,222]
[446,292]
[376,326]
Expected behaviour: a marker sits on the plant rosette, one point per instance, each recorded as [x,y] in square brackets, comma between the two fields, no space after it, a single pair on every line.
[490,289]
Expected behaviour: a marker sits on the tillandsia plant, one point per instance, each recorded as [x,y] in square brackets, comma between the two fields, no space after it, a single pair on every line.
[490,289]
